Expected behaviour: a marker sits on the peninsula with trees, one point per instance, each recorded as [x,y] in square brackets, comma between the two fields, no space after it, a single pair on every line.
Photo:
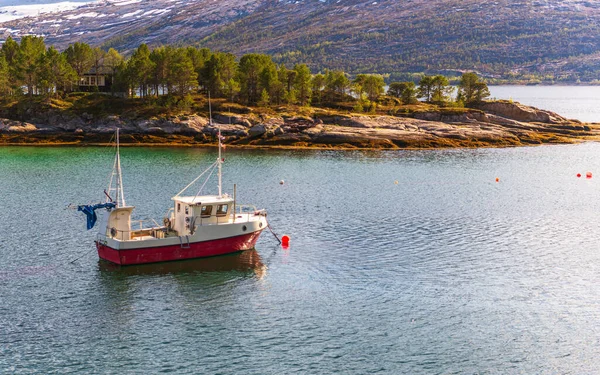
[160,96]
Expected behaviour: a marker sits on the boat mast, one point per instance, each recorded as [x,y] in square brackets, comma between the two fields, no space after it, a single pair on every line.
[117,177]
[220,162]
[220,159]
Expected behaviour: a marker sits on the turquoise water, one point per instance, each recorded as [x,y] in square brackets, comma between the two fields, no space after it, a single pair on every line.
[445,272]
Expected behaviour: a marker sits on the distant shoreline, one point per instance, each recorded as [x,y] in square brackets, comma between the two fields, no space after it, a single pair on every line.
[315,147]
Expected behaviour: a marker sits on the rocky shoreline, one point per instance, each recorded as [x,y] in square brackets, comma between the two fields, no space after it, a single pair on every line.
[491,124]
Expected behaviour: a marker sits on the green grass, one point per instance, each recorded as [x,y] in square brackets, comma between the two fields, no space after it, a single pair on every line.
[98,106]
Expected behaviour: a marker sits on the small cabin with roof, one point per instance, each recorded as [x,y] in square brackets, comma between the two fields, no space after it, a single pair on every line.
[91,81]
[190,212]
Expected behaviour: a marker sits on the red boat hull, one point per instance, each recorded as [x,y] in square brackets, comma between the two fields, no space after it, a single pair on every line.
[177,252]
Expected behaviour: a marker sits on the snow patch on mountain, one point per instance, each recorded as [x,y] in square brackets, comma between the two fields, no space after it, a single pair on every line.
[122,3]
[13,12]
[85,15]
[131,14]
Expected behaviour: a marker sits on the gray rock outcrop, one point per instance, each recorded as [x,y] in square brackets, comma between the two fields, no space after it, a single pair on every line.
[520,112]
[495,123]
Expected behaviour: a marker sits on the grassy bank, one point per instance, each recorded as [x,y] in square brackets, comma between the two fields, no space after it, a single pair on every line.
[98,106]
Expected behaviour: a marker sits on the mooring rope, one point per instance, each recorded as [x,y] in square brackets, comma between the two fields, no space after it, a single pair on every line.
[86,253]
[271,229]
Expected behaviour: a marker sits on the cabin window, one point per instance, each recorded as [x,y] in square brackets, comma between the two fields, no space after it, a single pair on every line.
[206,211]
[222,210]
[187,210]
[178,207]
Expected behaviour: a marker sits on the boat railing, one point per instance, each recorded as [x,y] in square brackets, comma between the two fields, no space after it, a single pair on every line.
[247,212]
[141,223]
[155,230]
[242,214]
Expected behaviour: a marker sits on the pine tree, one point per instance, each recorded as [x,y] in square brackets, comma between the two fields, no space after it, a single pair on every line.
[80,57]
[55,73]
[97,63]
[4,74]
[405,91]
[112,62]
[279,91]
[139,69]
[10,51]
[318,84]
[425,89]
[472,89]
[250,68]
[199,58]
[264,98]
[337,85]
[160,58]
[302,83]
[441,90]
[182,73]
[31,50]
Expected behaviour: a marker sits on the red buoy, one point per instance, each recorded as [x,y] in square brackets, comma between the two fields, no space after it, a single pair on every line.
[588,175]
[285,240]
[578,175]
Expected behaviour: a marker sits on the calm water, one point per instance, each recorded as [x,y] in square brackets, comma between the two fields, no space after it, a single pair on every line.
[445,272]
[575,102]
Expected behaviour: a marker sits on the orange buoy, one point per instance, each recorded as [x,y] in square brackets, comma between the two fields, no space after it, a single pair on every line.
[285,240]
[497,179]
[588,175]
[578,175]
[396,182]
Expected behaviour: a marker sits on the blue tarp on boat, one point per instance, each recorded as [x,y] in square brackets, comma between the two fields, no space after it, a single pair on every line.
[90,212]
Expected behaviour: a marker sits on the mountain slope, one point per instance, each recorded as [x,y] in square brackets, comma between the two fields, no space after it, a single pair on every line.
[388,36]
[545,37]
[125,24]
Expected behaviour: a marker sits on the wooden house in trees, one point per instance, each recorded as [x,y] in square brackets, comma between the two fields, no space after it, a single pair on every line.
[93,81]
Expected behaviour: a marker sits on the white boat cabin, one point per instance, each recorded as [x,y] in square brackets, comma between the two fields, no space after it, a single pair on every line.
[116,223]
[190,212]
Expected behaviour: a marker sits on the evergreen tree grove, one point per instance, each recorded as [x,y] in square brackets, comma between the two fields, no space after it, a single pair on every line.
[29,67]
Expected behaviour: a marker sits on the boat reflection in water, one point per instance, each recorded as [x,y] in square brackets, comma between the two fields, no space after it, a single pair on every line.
[244,261]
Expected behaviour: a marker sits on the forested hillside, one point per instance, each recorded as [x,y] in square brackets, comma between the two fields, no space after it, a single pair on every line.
[556,39]
[549,40]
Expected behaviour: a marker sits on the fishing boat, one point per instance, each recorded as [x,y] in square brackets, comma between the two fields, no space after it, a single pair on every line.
[196,226]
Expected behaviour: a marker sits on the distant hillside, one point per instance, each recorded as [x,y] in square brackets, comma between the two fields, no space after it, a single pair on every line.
[555,40]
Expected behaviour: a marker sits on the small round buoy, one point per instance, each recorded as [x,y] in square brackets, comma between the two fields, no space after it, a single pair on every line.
[578,175]
[588,175]
[396,182]
[285,240]
[497,179]
[281,182]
